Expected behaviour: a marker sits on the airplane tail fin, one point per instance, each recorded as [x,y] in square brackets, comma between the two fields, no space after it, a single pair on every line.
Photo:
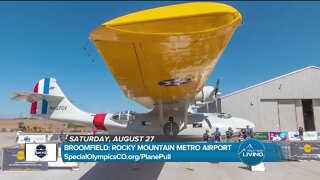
[46,87]
[48,101]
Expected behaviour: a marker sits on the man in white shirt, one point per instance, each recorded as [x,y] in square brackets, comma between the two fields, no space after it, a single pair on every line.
[17,135]
[276,138]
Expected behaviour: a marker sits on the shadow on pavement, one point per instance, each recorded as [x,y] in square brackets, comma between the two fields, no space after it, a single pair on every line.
[244,167]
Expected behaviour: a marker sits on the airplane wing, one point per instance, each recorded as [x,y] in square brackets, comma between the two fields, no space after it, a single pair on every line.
[166,53]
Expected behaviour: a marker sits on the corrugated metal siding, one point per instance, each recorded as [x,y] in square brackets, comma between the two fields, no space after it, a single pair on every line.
[302,85]
[316,113]
[287,115]
[289,87]
[269,116]
[299,112]
[248,104]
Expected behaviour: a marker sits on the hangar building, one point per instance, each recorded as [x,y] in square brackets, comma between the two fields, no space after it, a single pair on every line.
[279,104]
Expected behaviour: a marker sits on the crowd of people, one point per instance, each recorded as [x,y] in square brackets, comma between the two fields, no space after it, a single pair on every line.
[241,136]
[216,136]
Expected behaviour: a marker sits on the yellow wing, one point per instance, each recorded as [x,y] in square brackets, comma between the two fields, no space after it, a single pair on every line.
[166,53]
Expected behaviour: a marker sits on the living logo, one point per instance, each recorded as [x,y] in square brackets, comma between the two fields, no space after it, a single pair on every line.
[251,152]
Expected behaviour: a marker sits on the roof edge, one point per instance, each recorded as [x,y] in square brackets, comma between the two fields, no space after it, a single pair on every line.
[279,77]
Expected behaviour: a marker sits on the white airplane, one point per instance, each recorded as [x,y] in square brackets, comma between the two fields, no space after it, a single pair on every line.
[49,102]
[161,58]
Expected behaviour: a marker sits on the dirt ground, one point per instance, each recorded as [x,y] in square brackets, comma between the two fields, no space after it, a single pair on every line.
[10,125]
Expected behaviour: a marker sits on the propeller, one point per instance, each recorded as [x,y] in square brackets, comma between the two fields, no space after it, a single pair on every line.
[216,88]
[205,98]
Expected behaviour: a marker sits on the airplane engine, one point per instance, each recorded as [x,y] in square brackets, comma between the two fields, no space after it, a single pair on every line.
[207,95]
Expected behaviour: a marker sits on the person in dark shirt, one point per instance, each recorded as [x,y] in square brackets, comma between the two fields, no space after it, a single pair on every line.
[61,136]
[229,134]
[247,132]
[206,135]
[241,135]
[217,136]
[301,133]
[210,138]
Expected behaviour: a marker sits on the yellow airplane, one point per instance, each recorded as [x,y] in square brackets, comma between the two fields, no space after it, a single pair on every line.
[168,53]
[161,58]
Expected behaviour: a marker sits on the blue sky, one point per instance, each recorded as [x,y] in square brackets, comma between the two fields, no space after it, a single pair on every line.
[46,39]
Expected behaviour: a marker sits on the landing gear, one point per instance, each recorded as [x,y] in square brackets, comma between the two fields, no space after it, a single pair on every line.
[171,128]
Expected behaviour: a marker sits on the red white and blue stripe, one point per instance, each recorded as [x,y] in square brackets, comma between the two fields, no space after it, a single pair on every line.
[42,87]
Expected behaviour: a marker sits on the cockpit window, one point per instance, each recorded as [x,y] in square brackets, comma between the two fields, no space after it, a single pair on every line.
[115,117]
[123,117]
[224,115]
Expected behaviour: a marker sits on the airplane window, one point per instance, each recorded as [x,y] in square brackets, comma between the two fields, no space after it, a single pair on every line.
[228,116]
[123,117]
[197,125]
[115,117]
[145,123]
[224,115]
[131,117]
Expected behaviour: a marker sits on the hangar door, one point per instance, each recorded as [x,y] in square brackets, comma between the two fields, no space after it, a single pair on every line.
[287,115]
[269,115]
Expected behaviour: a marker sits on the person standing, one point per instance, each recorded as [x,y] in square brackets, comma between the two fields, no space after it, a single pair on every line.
[276,138]
[211,138]
[247,132]
[206,135]
[301,132]
[217,136]
[229,134]
[61,137]
[241,135]
[17,136]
